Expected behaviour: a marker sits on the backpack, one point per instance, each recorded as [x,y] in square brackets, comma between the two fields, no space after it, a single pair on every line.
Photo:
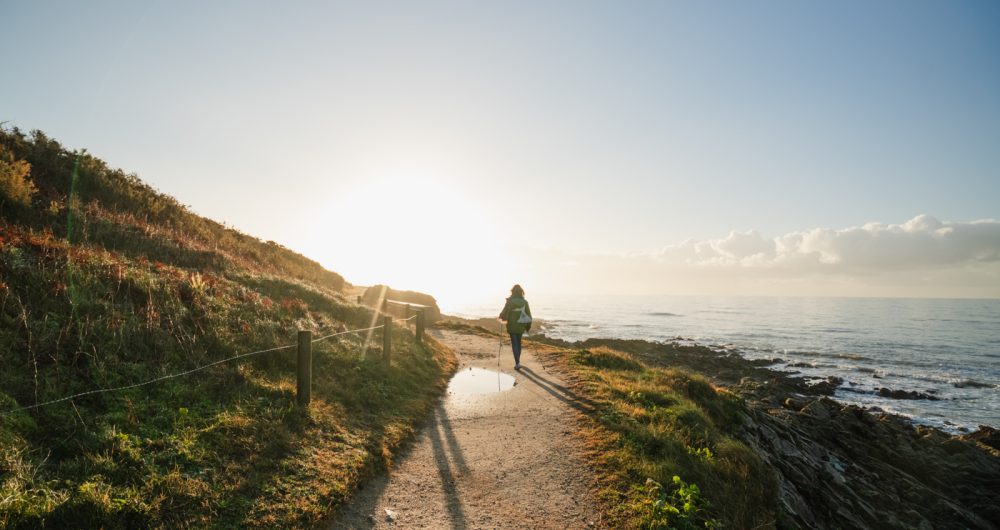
[524,317]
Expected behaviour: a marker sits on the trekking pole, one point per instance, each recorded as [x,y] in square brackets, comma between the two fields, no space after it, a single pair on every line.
[498,355]
[500,333]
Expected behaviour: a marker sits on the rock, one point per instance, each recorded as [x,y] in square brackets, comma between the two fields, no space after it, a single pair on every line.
[954,446]
[985,435]
[835,468]
[817,410]
[390,515]
[764,362]
[969,383]
[828,386]
[795,403]
[904,394]
[840,466]
[374,295]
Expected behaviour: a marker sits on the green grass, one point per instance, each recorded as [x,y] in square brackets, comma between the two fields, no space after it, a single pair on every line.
[105,282]
[660,440]
[227,450]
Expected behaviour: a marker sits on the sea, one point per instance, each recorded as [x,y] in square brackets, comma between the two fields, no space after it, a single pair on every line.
[945,348]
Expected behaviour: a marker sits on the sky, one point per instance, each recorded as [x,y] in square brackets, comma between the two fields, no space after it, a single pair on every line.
[730,148]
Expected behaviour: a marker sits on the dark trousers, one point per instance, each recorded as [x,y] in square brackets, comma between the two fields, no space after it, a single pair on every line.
[515,345]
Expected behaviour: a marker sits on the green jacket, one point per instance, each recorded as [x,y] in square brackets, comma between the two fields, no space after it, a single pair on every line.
[512,311]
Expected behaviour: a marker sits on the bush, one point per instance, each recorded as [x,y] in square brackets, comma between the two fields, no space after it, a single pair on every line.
[680,506]
[15,185]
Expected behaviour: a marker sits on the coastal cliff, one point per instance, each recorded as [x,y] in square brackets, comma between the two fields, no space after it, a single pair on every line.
[836,465]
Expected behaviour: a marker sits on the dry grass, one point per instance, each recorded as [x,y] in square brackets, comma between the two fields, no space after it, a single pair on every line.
[652,424]
[114,284]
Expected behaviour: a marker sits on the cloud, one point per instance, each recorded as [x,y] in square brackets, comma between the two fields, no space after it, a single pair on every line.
[920,243]
[921,257]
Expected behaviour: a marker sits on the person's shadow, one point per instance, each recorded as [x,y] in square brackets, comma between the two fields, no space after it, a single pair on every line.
[449,461]
[560,392]
[441,448]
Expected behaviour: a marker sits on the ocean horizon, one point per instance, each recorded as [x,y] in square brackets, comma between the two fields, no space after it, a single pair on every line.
[942,348]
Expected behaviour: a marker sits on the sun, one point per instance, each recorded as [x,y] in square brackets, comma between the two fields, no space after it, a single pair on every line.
[415,233]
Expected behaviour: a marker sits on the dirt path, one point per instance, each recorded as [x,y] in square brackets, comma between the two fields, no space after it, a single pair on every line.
[497,460]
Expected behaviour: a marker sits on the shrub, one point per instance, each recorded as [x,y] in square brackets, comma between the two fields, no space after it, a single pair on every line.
[680,506]
[15,184]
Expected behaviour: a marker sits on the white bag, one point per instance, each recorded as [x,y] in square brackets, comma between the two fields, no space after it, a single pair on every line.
[525,318]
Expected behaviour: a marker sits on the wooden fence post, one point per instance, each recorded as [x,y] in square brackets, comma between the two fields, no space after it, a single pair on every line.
[304,368]
[420,326]
[386,339]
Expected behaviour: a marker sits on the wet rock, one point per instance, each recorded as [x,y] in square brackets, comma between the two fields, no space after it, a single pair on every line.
[904,394]
[829,386]
[764,362]
[969,383]
[985,435]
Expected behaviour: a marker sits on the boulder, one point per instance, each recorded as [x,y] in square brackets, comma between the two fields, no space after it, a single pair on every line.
[374,295]
[828,386]
[904,394]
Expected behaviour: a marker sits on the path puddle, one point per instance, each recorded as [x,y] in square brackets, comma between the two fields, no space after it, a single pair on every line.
[480,381]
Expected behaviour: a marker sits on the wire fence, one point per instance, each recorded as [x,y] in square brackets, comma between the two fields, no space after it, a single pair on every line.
[193,370]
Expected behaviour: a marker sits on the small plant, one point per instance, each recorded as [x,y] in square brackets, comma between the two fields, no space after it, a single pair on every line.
[682,507]
[197,283]
[704,454]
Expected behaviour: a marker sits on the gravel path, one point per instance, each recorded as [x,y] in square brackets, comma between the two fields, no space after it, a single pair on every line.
[496,460]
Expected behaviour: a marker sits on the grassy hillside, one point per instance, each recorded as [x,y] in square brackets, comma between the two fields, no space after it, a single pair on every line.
[661,441]
[106,282]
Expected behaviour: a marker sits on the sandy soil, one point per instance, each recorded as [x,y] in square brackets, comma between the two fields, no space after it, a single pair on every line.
[498,460]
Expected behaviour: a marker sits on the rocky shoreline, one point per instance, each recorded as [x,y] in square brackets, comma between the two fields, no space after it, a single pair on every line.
[843,466]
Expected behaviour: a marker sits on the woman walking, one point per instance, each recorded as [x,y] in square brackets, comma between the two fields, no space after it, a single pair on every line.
[517,315]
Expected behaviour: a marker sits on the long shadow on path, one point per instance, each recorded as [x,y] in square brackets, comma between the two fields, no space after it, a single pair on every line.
[560,392]
[452,502]
[449,436]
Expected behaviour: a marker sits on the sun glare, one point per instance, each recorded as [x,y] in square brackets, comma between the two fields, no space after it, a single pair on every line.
[415,233]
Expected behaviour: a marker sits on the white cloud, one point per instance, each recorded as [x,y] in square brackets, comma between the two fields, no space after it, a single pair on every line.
[920,243]
[920,257]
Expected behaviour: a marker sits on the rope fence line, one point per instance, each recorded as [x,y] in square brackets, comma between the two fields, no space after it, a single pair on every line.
[314,341]
[308,351]
[144,383]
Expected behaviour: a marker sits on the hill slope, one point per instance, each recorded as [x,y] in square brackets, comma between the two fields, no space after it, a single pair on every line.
[106,282]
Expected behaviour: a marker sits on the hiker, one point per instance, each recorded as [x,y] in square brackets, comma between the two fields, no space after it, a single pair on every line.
[517,315]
